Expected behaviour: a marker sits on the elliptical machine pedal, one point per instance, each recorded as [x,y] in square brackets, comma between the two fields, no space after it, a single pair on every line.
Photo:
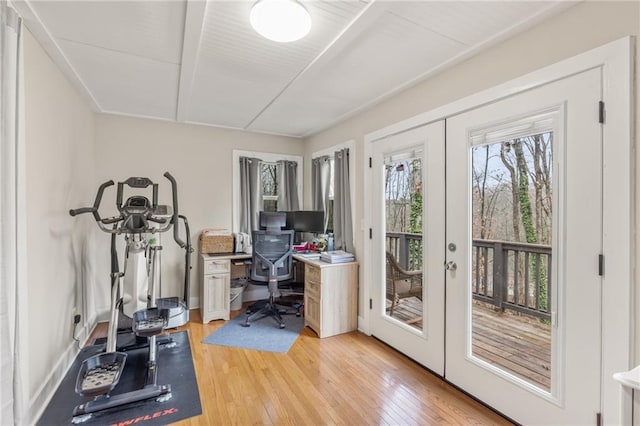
[100,373]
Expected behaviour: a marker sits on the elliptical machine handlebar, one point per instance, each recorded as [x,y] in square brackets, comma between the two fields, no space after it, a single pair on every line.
[94,209]
[174,219]
[81,210]
[116,229]
[96,203]
[136,183]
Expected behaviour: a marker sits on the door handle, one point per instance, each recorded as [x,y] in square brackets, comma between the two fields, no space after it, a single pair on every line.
[451,265]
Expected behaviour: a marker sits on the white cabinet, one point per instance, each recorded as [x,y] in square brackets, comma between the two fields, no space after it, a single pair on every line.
[330,297]
[215,281]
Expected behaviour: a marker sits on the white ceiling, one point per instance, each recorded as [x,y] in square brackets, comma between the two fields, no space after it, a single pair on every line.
[201,62]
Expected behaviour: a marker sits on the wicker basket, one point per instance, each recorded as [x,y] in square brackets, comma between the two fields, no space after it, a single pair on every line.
[215,243]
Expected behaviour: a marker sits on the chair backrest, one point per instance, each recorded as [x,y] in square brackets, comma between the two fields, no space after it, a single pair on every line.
[272,255]
[391,269]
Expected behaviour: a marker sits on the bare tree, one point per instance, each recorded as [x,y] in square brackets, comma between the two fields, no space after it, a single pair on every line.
[539,147]
[487,186]
[526,215]
[507,160]
[397,197]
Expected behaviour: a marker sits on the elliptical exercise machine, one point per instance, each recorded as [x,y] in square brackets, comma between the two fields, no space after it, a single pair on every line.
[134,292]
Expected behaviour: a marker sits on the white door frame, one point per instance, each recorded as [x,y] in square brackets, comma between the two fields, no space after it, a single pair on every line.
[616,61]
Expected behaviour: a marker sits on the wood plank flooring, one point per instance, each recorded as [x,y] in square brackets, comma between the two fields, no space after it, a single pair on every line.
[346,379]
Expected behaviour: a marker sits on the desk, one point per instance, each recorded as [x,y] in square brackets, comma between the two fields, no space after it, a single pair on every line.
[330,296]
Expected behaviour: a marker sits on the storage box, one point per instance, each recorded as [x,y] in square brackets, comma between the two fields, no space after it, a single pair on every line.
[212,242]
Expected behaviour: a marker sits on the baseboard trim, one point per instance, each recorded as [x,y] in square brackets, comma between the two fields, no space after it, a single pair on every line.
[45,392]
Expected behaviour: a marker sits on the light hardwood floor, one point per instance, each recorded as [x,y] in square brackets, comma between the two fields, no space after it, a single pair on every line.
[349,379]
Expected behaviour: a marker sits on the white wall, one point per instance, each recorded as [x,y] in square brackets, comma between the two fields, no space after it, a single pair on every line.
[59,175]
[200,159]
[576,30]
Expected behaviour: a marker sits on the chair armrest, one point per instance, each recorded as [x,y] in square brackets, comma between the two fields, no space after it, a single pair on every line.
[409,273]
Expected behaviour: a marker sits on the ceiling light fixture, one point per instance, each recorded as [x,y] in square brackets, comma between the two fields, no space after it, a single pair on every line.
[280,20]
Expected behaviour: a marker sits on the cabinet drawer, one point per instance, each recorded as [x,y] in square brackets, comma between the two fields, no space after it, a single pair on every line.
[216,266]
[312,312]
[312,273]
[312,287]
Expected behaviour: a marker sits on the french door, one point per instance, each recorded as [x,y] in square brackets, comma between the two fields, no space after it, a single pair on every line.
[517,255]
[409,301]
[552,136]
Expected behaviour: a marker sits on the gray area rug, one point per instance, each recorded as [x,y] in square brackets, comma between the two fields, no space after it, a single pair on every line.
[262,335]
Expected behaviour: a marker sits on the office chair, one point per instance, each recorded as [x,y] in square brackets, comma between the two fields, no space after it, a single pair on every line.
[272,262]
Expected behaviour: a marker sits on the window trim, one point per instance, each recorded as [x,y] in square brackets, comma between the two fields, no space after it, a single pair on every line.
[270,157]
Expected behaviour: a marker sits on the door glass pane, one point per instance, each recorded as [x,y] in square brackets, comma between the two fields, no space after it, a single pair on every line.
[403,221]
[511,285]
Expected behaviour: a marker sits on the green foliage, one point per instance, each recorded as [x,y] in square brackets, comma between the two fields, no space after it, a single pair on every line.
[528,224]
[525,210]
[415,213]
[415,227]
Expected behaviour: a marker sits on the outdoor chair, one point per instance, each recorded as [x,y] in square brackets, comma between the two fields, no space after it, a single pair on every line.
[401,283]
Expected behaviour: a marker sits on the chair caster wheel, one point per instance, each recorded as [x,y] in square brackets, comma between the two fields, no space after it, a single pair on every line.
[246,325]
[281,325]
[297,314]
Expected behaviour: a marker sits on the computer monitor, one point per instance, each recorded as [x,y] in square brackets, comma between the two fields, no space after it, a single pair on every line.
[290,220]
[309,221]
[304,223]
[273,220]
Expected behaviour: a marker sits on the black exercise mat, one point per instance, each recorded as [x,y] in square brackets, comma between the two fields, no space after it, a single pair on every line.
[175,367]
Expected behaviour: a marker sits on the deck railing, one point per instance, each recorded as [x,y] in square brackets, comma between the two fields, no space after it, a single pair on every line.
[508,275]
[515,276]
[406,248]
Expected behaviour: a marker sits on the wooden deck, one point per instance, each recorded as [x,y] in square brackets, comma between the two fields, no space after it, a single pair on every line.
[518,344]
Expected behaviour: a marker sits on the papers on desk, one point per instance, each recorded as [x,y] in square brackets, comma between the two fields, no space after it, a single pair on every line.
[310,255]
[337,256]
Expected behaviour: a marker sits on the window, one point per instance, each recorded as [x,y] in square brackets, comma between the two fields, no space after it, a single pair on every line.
[269,181]
[329,212]
[268,177]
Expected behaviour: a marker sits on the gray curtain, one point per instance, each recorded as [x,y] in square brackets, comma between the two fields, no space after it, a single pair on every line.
[287,186]
[342,226]
[250,193]
[320,175]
